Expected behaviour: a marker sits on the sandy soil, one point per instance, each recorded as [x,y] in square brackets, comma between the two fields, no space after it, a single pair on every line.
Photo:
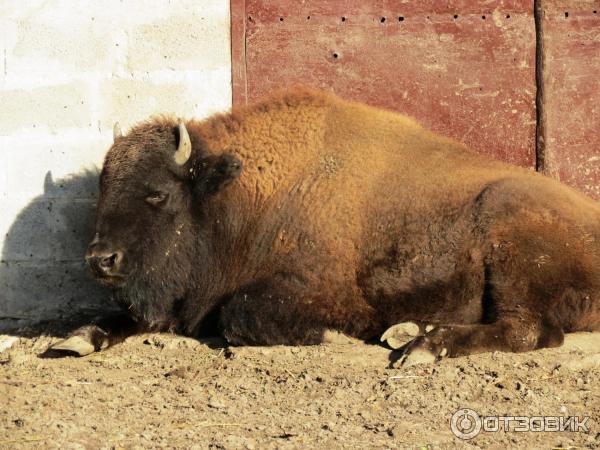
[163,391]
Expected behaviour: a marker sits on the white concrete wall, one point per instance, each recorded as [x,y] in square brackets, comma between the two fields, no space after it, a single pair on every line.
[68,70]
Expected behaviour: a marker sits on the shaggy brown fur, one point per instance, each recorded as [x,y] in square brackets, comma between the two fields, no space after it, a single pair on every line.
[344,217]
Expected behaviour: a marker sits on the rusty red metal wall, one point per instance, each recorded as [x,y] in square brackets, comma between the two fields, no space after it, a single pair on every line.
[466,69]
[570,115]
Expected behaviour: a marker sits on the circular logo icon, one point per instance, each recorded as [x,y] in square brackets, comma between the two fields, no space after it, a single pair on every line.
[465,424]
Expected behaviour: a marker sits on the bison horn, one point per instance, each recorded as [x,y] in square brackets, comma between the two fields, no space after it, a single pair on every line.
[185,146]
[117,133]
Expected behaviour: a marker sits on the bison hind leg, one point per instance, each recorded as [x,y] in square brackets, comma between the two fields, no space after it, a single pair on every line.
[400,334]
[509,335]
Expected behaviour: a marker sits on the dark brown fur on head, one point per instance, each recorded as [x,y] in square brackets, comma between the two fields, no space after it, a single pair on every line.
[151,209]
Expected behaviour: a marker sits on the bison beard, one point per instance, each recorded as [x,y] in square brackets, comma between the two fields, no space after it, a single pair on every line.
[155,289]
[305,213]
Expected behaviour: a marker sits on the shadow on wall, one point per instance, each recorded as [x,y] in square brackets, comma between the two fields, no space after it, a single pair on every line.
[44,285]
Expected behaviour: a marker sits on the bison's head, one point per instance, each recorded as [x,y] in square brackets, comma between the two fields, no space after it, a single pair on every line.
[147,217]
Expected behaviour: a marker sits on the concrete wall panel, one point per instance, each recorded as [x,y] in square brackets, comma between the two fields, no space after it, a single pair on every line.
[68,71]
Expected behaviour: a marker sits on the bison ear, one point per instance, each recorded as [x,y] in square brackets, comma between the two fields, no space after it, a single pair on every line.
[216,172]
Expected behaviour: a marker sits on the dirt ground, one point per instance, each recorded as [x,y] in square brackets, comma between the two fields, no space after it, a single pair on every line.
[163,391]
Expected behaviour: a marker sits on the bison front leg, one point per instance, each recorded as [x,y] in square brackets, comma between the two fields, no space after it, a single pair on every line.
[288,311]
[97,336]
[268,317]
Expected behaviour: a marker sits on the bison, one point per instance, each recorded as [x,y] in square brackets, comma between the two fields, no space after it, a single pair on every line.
[305,213]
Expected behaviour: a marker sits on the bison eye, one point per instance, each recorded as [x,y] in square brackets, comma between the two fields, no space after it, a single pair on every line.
[157,198]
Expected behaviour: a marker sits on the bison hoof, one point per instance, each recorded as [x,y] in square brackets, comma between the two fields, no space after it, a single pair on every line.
[82,342]
[75,344]
[421,350]
[400,334]
[417,356]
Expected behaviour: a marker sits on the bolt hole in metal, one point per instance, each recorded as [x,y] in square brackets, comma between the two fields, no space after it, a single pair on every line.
[336,56]
[402,18]
[483,17]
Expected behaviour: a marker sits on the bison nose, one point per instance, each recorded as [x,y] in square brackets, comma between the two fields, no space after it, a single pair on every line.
[105,263]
